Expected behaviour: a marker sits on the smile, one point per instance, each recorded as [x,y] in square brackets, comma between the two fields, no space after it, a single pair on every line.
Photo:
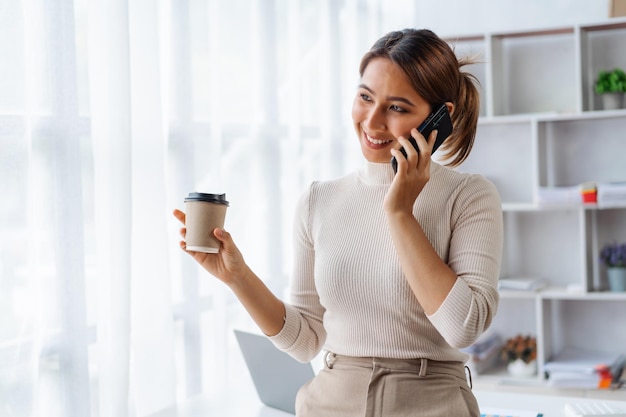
[377,141]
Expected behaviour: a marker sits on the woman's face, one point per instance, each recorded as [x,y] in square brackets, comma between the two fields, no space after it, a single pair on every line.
[386,106]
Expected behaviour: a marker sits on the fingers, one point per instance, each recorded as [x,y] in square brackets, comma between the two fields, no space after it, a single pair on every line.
[431,140]
[223,236]
[179,215]
[425,144]
[411,154]
[228,244]
[183,230]
[400,160]
[412,158]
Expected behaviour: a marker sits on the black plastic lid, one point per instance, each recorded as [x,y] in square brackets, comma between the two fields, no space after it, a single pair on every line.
[209,198]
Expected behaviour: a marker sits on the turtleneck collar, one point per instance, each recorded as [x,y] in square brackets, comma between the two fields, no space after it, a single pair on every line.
[377,173]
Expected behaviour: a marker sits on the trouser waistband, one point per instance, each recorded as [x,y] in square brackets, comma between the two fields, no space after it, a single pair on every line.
[421,366]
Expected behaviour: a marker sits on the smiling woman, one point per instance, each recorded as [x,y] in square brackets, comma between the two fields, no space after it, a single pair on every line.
[391,292]
[111,112]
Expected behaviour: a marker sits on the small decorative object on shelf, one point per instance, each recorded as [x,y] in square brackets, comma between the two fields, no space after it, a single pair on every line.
[589,192]
[611,85]
[520,354]
[613,256]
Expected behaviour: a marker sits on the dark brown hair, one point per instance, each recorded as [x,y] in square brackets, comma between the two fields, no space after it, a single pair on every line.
[435,73]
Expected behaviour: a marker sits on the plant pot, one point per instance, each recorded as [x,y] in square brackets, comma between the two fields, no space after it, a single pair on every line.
[617,279]
[612,101]
[520,368]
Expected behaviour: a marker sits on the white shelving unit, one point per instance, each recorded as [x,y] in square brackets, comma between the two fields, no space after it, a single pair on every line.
[541,126]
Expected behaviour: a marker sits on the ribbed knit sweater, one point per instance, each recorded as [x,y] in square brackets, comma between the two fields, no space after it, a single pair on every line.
[348,293]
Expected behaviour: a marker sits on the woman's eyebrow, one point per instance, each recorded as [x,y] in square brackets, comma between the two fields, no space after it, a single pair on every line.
[390,98]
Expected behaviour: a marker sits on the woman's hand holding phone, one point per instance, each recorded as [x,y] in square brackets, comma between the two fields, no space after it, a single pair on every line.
[412,167]
[439,120]
[413,172]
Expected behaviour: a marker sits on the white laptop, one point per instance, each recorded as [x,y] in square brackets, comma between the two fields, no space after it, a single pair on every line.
[277,376]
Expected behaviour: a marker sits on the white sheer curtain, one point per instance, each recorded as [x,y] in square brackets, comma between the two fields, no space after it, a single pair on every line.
[110,112]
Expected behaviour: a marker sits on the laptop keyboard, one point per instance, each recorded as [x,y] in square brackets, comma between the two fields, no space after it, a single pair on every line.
[594,409]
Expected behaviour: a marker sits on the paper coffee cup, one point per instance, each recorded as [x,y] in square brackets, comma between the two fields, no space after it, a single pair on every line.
[203,213]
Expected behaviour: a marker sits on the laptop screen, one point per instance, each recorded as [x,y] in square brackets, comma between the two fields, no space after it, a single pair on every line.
[277,376]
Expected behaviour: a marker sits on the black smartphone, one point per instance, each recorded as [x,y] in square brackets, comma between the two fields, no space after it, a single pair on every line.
[440,120]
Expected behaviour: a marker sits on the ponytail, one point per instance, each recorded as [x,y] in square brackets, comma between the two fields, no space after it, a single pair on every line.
[457,147]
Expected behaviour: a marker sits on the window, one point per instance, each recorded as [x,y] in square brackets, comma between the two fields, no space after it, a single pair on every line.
[111,112]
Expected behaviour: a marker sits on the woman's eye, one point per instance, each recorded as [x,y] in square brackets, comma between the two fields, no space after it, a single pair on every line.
[397,108]
[365,97]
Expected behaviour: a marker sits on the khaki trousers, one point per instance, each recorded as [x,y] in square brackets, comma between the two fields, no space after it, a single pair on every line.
[380,387]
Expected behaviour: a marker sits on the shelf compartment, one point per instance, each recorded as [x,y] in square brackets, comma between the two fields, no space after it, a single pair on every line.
[571,151]
[535,72]
[534,244]
[602,48]
[577,324]
[509,150]
[605,226]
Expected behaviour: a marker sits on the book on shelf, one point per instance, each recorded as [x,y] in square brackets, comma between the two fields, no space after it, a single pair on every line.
[605,194]
[564,379]
[612,194]
[583,368]
[522,283]
[581,360]
[559,195]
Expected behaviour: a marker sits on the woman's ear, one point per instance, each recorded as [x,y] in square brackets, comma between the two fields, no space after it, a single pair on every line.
[450,107]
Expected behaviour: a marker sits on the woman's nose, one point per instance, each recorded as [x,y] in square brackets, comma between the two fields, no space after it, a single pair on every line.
[375,120]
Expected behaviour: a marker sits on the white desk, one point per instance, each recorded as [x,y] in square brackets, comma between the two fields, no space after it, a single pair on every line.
[549,405]
[245,403]
[238,398]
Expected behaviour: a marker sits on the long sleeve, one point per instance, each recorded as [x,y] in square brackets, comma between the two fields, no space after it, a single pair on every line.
[303,334]
[475,255]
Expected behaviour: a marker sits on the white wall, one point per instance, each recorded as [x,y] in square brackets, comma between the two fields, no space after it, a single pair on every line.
[460,17]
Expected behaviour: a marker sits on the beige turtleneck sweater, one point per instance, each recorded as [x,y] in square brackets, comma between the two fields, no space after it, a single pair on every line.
[348,294]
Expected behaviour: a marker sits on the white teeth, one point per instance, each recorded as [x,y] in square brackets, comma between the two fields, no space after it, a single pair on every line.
[377,141]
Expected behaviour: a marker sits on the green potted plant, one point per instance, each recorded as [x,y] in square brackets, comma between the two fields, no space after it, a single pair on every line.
[611,85]
[613,255]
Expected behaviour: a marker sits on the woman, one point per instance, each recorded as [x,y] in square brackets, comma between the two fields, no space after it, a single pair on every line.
[393,272]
